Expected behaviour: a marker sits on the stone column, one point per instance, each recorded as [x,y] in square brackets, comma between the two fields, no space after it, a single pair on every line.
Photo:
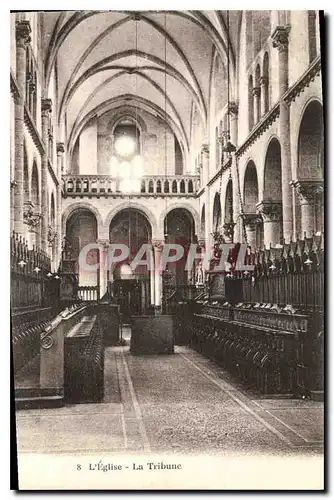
[271,213]
[264,94]
[60,166]
[280,38]
[256,92]
[307,191]
[157,249]
[23,31]
[233,113]
[103,269]
[206,175]
[46,111]
[251,222]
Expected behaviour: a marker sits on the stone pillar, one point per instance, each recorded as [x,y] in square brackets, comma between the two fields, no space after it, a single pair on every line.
[307,191]
[271,213]
[256,96]
[46,111]
[157,249]
[23,31]
[233,113]
[264,94]
[206,175]
[103,269]
[280,38]
[60,166]
[251,222]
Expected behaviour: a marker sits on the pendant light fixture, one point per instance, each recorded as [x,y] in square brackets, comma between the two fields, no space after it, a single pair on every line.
[229,147]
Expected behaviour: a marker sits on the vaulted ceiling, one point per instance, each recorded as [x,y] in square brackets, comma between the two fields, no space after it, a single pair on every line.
[154,60]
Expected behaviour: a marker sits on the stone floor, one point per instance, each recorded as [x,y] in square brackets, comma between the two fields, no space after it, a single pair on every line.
[182,403]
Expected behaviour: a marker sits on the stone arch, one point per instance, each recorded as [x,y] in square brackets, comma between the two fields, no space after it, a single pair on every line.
[310,146]
[35,194]
[187,207]
[127,115]
[216,213]
[272,173]
[202,226]
[250,188]
[151,218]
[228,207]
[84,206]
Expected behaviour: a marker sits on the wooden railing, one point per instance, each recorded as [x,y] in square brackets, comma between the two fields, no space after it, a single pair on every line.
[105,185]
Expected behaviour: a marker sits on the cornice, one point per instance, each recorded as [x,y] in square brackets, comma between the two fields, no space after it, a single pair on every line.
[304,81]
[29,122]
[222,169]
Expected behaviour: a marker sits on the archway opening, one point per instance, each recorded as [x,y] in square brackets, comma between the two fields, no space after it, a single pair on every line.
[81,230]
[217,214]
[180,227]
[131,285]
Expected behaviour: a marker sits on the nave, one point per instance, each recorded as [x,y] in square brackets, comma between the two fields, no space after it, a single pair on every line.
[173,404]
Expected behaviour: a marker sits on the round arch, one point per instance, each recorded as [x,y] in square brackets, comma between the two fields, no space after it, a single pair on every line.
[272,171]
[216,213]
[184,206]
[250,188]
[81,206]
[310,146]
[133,206]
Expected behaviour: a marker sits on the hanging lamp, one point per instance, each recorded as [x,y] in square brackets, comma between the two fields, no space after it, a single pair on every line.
[229,146]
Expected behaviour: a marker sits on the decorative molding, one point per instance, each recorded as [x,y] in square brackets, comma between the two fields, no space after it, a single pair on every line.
[280,38]
[60,147]
[22,33]
[224,167]
[251,219]
[271,211]
[46,106]
[304,81]
[52,235]
[30,124]
[52,173]
[205,149]
[264,81]
[228,229]
[259,129]
[307,190]
[233,108]
[30,218]
[256,91]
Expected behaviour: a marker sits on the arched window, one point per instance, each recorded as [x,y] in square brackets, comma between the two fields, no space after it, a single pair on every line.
[190,187]
[265,83]
[166,187]
[182,187]
[250,104]
[312,35]
[158,186]
[150,187]
[257,93]
[174,187]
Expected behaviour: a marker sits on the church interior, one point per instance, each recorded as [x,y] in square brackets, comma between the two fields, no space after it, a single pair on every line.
[156,130]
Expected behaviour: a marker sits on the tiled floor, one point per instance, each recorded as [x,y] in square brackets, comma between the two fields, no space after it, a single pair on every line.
[182,403]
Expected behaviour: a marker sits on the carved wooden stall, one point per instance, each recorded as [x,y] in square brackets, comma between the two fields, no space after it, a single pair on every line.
[273,339]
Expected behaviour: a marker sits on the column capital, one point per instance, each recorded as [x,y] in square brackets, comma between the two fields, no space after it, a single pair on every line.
[264,81]
[307,190]
[280,38]
[251,219]
[22,33]
[158,245]
[233,108]
[60,148]
[30,218]
[271,211]
[104,242]
[256,91]
[46,106]
[228,229]
[205,150]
